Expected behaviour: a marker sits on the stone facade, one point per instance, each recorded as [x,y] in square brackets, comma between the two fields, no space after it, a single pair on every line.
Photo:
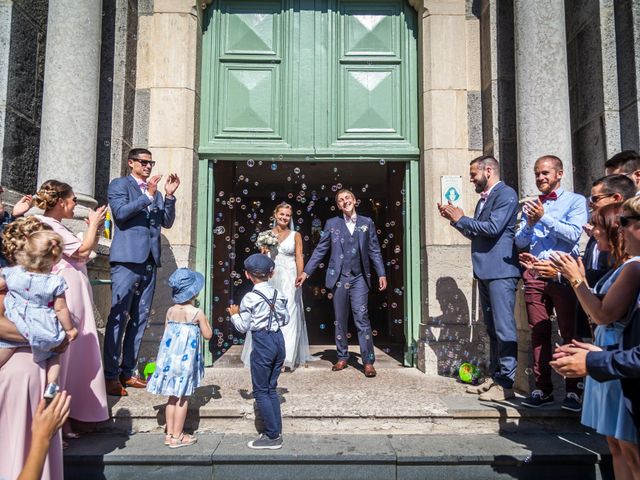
[512,78]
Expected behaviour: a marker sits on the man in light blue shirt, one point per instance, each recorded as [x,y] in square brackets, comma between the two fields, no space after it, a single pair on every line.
[551,223]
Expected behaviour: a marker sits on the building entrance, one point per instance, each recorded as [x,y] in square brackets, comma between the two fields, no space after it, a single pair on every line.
[245,195]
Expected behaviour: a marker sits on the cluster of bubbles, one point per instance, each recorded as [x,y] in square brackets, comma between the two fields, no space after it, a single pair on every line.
[244,208]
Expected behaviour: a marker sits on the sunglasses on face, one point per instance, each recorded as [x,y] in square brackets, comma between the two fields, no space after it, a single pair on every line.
[597,198]
[626,220]
[144,163]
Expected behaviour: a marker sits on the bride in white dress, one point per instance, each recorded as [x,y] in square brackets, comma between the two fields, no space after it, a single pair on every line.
[289,264]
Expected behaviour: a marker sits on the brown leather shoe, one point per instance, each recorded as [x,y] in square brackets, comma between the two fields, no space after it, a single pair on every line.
[369,371]
[339,365]
[115,388]
[134,382]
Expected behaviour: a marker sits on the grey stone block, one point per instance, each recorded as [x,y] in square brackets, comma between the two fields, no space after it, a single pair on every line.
[141,121]
[36,10]
[145,7]
[474,119]
[578,14]
[311,457]
[20,153]
[22,74]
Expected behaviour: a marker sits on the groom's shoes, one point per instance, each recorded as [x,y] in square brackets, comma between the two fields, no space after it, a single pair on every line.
[339,365]
[369,371]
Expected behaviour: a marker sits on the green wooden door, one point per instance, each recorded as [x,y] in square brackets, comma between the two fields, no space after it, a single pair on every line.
[309,78]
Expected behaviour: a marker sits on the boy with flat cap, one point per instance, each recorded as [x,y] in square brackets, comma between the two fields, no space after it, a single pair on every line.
[263,311]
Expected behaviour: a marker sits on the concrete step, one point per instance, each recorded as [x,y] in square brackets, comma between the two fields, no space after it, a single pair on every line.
[322,457]
[316,400]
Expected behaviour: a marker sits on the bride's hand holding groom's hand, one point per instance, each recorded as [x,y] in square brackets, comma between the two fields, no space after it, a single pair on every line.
[301,278]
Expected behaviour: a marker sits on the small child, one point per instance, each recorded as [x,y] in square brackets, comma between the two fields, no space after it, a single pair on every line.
[263,311]
[35,303]
[179,366]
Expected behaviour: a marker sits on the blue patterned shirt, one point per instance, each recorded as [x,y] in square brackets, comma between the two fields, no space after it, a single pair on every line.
[558,230]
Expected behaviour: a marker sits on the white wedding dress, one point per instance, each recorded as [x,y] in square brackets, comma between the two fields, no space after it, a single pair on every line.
[296,341]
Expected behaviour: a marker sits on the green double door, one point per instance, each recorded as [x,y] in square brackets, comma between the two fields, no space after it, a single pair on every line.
[322,79]
[316,88]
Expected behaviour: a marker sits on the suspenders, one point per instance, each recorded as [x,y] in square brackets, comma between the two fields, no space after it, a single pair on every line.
[272,306]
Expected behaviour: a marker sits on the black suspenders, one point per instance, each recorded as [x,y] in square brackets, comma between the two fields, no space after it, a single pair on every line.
[272,306]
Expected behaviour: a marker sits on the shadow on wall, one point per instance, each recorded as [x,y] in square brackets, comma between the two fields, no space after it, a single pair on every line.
[455,336]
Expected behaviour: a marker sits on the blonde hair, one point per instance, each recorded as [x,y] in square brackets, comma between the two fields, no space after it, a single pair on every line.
[41,251]
[632,205]
[280,206]
[50,192]
[16,233]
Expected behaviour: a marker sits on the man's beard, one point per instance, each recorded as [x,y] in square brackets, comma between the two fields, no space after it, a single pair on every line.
[481,184]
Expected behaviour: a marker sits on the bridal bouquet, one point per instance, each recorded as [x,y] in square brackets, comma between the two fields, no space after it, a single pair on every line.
[267,239]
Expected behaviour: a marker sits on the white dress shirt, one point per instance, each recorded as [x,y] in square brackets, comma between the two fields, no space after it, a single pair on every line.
[351,222]
[255,311]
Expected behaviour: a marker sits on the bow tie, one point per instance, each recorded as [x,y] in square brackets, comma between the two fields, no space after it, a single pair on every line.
[550,196]
[484,195]
[143,186]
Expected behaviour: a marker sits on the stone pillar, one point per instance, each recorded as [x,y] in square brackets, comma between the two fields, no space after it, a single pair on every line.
[166,106]
[542,88]
[449,54]
[70,98]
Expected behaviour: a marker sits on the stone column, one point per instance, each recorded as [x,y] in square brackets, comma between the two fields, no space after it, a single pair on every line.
[542,88]
[71,92]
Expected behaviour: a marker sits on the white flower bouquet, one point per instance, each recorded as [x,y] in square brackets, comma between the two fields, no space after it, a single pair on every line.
[267,239]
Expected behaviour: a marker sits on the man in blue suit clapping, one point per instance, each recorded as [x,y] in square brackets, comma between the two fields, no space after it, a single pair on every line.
[495,266]
[139,211]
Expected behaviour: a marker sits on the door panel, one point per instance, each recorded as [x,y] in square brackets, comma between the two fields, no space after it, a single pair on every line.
[311,78]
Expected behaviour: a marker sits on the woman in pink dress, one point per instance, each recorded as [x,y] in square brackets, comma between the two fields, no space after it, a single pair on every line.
[81,375]
[22,383]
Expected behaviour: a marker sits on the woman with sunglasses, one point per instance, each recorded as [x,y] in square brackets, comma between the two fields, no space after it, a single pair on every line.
[82,374]
[607,305]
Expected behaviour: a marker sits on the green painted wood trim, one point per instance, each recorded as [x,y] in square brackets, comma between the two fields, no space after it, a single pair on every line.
[204,254]
[413,277]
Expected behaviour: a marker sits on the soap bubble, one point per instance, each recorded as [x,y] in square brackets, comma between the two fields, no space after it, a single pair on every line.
[250,162]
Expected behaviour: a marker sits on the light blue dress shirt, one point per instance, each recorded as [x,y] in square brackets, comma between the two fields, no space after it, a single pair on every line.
[558,230]
[254,310]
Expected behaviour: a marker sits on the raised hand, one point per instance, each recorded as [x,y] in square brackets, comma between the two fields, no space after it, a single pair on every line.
[527,260]
[22,206]
[568,266]
[534,210]
[233,309]
[152,185]
[96,217]
[451,212]
[544,269]
[172,184]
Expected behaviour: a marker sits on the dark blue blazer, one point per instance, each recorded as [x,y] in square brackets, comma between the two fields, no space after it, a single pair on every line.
[137,228]
[492,231]
[623,364]
[332,238]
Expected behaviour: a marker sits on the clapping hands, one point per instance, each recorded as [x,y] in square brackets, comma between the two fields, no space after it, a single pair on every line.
[450,212]
[534,210]
[172,184]
[570,360]
[233,309]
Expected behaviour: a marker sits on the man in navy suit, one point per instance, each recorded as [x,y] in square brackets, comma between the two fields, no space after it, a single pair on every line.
[353,242]
[495,266]
[139,211]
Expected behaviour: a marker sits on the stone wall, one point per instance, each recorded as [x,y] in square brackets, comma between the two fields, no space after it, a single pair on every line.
[22,53]
[117,91]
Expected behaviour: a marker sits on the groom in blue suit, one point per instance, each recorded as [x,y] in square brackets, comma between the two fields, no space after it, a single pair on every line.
[139,211]
[352,242]
[495,266]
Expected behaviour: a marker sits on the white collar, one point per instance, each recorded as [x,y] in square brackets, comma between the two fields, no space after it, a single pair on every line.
[353,219]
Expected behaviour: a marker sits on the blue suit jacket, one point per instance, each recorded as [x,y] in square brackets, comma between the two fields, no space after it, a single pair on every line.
[623,364]
[492,231]
[137,228]
[332,240]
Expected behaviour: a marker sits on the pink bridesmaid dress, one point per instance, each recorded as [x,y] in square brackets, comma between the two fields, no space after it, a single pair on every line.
[22,383]
[81,365]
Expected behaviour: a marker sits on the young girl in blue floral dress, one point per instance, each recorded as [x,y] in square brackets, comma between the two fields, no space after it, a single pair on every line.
[179,366]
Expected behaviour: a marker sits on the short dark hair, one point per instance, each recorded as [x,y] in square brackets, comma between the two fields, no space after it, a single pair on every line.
[344,190]
[627,160]
[617,184]
[486,161]
[557,163]
[134,154]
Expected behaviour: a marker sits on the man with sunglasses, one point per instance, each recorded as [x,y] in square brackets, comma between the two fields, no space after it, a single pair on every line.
[139,212]
[626,163]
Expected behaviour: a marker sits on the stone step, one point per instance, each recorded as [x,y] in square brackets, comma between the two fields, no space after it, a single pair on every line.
[322,457]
